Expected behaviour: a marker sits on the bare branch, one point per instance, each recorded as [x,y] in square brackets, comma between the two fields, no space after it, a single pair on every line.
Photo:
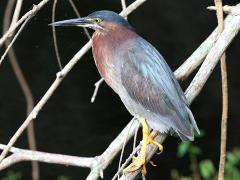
[218,4]
[97,85]
[226,9]
[46,97]
[17,11]
[54,35]
[20,155]
[212,58]
[13,40]
[108,155]
[30,13]
[127,161]
[124,6]
[20,78]
[78,15]
[199,54]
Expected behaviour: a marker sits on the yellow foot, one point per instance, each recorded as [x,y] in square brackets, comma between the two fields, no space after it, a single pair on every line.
[140,161]
[151,140]
[137,163]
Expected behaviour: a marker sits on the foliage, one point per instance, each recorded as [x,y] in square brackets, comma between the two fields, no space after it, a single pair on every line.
[63,178]
[205,169]
[11,175]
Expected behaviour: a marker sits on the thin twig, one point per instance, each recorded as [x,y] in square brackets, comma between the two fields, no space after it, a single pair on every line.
[97,85]
[113,149]
[218,4]
[17,11]
[21,79]
[127,161]
[14,39]
[54,35]
[78,15]
[124,6]
[20,155]
[30,13]
[54,29]
[226,9]
[123,148]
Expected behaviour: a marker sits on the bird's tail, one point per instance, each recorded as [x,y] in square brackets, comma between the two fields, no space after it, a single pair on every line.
[192,120]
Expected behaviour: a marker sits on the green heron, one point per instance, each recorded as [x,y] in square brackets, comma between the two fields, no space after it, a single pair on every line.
[138,73]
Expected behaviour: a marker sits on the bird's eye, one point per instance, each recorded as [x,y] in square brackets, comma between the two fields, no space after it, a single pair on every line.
[97,20]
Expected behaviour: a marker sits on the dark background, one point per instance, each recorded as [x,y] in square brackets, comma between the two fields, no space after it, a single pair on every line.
[70,124]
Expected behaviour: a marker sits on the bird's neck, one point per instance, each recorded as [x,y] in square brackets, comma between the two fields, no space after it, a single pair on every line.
[106,45]
[114,34]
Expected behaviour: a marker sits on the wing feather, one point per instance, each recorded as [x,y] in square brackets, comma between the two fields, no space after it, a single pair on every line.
[149,81]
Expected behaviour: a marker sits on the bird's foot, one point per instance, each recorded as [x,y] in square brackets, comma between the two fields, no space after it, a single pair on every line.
[151,140]
[140,161]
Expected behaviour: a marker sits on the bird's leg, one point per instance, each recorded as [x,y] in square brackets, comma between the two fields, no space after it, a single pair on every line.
[140,161]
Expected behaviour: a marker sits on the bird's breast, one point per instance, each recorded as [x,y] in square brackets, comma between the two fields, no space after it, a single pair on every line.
[104,53]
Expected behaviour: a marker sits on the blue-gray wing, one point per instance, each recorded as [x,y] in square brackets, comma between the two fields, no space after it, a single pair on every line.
[150,82]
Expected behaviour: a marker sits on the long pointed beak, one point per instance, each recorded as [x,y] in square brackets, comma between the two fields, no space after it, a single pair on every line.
[82,22]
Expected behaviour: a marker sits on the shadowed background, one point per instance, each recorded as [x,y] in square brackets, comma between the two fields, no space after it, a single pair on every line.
[70,124]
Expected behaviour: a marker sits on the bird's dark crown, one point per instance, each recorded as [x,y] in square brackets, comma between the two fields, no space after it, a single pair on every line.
[110,16]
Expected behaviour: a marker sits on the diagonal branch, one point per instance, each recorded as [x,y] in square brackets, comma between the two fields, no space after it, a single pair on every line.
[212,58]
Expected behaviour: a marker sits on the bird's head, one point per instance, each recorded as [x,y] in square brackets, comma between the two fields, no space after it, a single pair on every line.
[99,20]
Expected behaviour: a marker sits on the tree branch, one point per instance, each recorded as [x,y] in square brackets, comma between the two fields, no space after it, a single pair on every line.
[218,4]
[20,155]
[213,57]
[30,13]
[20,77]
[200,53]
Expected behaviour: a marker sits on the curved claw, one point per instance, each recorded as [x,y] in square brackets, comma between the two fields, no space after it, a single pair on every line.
[137,163]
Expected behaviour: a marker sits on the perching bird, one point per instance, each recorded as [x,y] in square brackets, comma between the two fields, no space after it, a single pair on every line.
[138,73]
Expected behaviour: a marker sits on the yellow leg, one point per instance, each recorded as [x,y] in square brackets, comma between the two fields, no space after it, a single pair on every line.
[140,161]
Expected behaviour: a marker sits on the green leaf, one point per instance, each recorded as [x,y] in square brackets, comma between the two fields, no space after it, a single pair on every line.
[183,148]
[232,159]
[194,150]
[207,169]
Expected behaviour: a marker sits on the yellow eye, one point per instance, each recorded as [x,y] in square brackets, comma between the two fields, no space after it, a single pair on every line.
[97,20]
